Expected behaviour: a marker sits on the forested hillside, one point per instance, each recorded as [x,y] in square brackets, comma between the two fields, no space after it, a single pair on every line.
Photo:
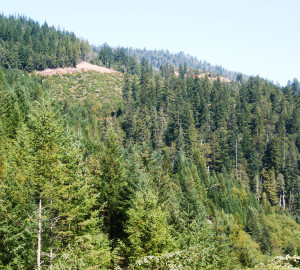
[26,45]
[147,169]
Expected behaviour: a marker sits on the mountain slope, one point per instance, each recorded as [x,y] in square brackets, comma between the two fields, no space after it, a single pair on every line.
[150,169]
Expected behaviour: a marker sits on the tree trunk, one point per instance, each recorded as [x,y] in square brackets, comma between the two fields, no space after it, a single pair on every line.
[39,234]
[51,235]
[257,188]
[236,159]
[280,201]
[284,155]
[69,225]
[290,202]
[283,200]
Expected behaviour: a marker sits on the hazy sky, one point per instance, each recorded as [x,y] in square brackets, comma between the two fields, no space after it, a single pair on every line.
[251,36]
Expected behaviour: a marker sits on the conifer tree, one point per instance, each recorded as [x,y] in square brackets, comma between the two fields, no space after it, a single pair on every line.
[147,228]
[55,200]
[109,180]
[269,185]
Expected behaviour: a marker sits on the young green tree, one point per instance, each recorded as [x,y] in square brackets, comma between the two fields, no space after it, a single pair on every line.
[44,167]
[148,230]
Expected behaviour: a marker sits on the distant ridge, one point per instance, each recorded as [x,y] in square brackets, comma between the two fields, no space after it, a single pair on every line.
[158,58]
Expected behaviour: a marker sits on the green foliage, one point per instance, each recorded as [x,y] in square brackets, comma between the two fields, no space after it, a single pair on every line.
[146,170]
[246,250]
[281,263]
[269,186]
[26,45]
[147,228]
[118,59]
[44,165]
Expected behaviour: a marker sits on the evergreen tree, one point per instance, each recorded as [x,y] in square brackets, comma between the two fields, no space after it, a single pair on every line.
[147,228]
[269,185]
[109,180]
[274,156]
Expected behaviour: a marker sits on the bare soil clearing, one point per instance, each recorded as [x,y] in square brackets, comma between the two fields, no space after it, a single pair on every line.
[82,67]
[213,77]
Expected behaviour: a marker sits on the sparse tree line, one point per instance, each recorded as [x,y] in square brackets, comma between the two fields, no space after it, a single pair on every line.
[121,57]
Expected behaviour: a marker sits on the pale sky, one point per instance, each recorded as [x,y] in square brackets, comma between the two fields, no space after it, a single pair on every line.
[249,36]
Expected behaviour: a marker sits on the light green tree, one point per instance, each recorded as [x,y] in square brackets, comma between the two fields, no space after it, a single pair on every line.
[148,230]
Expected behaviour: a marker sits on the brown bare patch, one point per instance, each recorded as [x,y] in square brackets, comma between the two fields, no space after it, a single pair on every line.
[82,67]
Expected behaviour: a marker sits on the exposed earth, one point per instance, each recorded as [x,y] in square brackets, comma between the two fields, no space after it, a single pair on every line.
[82,67]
